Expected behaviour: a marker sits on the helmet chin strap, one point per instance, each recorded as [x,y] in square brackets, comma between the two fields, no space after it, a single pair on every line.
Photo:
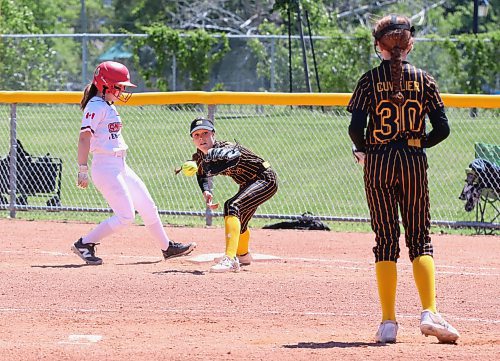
[103,96]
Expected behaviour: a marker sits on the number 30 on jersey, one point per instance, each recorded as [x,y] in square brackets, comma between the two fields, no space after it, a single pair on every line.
[394,119]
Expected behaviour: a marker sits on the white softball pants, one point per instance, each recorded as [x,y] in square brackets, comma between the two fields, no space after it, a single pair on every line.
[125,193]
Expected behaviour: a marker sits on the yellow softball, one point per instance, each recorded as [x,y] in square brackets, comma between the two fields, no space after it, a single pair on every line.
[189,168]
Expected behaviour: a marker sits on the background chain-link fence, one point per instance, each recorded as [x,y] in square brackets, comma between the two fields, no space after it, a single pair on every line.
[65,62]
[307,146]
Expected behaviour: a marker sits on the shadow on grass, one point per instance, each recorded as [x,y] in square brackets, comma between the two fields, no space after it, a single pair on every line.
[333,344]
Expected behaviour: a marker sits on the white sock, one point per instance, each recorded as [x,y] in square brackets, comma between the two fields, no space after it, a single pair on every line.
[102,230]
[159,234]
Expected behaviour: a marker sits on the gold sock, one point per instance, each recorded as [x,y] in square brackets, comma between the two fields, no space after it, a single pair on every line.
[243,243]
[232,229]
[387,279]
[424,275]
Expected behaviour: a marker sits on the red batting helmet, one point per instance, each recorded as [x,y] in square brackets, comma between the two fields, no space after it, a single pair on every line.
[113,77]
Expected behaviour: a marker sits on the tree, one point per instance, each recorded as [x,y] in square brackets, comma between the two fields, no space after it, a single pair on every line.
[195,52]
[38,63]
[25,64]
[227,16]
[52,63]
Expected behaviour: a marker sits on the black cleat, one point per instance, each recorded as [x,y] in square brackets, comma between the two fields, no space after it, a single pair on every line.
[86,251]
[178,249]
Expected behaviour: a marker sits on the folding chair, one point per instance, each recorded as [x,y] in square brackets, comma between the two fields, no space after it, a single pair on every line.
[38,176]
[482,188]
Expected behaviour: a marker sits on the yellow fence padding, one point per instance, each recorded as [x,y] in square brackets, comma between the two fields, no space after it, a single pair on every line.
[257,98]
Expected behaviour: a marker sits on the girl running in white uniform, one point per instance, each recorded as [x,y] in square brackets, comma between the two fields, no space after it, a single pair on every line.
[101,135]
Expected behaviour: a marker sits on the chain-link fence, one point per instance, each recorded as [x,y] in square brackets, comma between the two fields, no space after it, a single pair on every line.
[308,146]
[65,62]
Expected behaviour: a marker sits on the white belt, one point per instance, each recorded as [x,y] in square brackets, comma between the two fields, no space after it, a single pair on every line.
[120,154]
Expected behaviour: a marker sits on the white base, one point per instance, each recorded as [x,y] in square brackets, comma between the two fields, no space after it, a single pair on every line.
[210,257]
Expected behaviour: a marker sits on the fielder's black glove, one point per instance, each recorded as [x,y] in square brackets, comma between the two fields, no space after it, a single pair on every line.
[217,160]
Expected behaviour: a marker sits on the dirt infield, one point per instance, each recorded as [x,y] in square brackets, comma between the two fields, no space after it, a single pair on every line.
[317,302]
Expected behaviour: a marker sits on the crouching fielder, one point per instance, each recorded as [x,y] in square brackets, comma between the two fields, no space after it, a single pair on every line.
[257,183]
[101,134]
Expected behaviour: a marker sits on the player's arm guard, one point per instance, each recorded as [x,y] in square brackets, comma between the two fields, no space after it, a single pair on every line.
[217,160]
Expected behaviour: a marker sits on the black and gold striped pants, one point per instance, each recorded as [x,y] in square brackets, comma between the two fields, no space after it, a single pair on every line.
[395,177]
[251,195]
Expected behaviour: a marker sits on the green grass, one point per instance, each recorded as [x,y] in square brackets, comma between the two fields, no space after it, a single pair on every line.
[192,221]
[310,151]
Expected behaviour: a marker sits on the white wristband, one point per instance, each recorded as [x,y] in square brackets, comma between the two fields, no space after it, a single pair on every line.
[83,168]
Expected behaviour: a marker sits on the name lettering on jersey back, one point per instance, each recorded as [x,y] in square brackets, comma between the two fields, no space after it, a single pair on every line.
[410,85]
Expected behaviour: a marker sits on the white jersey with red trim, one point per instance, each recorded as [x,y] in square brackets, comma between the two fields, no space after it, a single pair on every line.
[103,121]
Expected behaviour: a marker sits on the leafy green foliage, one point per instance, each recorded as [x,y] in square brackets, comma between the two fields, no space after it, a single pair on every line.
[344,60]
[195,52]
[24,64]
[46,63]
[466,63]
[267,51]
[460,64]
[475,61]
[341,60]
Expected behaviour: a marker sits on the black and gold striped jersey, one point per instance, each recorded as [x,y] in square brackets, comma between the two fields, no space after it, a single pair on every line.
[248,168]
[389,121]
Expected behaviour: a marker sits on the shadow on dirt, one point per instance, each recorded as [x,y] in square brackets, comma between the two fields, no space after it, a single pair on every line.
[138,263]
[333,344]
[194,273]
[61,266]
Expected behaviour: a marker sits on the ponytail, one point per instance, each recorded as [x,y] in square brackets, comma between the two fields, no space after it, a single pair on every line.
[395,34]
[396,70]
[89,92]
